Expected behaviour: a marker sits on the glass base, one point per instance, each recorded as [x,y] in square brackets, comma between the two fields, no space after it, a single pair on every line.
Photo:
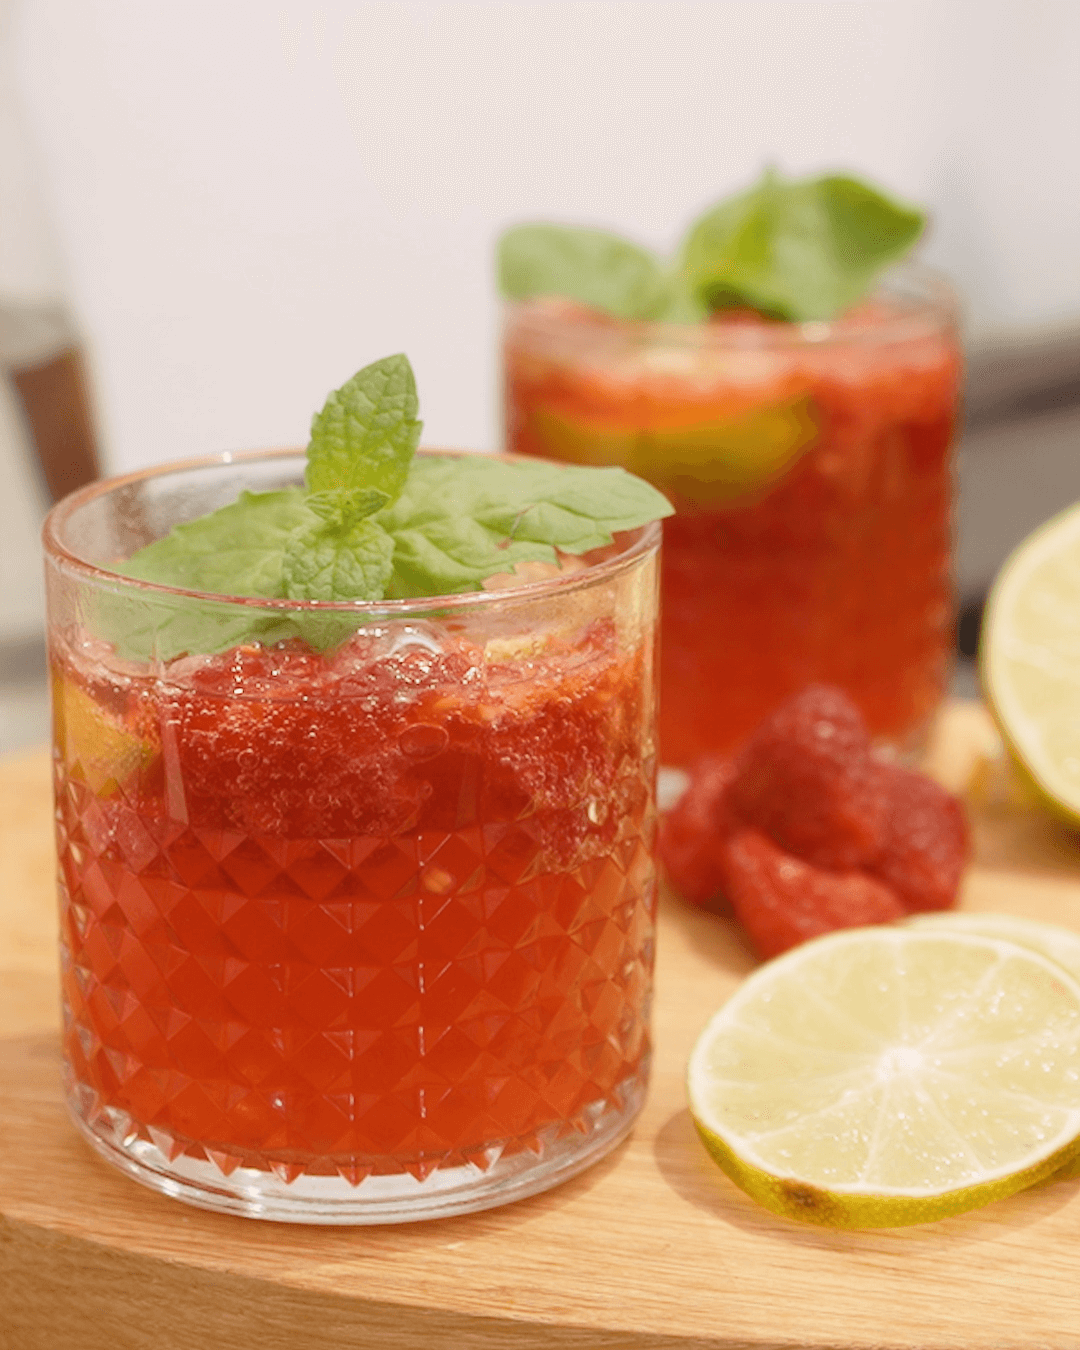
[552,1157]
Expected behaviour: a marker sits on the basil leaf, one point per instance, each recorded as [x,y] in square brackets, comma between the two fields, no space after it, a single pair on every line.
[590,266]
[797,250]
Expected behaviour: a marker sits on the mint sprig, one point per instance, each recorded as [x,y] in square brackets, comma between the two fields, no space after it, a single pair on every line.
[599,269]
[373,523]
[465,518]
[798,250]
[367,432]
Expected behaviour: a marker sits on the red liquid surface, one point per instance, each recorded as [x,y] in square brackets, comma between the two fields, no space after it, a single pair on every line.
[385,910]
[836,568]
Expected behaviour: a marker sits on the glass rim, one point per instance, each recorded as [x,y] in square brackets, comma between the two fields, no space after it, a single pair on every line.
[644,539]
[935,305]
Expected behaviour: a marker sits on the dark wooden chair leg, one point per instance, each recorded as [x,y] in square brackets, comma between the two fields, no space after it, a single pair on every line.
[55,399]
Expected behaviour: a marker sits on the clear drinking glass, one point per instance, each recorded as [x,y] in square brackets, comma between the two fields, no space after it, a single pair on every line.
[357,919]
[810,467]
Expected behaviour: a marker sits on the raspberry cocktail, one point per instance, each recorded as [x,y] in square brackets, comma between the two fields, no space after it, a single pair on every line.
[809,463]
[357,921]
[811,473]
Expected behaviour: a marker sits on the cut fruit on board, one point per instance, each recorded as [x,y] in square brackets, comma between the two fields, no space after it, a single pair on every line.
[1030,659]
[880,1077]
[1049,939]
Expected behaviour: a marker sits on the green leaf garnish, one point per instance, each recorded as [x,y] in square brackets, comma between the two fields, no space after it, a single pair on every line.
[236,550]
[797,250]
[367,432]
[465,518]
[590,266]
[328,562]
[374,523]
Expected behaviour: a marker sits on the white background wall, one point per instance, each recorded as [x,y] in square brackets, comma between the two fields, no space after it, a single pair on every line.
[253,198]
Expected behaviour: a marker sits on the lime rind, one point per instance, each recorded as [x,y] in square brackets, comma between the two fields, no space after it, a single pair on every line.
[793,1198]
[804,1194]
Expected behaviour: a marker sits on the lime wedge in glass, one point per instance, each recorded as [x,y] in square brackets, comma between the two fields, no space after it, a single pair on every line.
[711,462]
[96,747]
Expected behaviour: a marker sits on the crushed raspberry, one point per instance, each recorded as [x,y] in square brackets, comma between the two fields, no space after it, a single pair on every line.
[694,830]
[805,831]
[806,777]
[781,900]
[924,844]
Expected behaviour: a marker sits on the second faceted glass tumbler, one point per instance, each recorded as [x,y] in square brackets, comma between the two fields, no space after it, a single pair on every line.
[811,469]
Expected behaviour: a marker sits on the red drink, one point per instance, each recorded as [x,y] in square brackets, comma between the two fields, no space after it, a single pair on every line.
[371,928]
[810,466]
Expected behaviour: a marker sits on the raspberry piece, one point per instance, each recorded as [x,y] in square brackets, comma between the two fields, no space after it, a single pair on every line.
[806,778]
[782,901]
[924,844]
[693,832]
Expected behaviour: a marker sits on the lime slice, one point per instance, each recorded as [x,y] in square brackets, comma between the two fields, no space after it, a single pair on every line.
[1030,658]
[709,462]
[1059,944]
[95,747]
[879,1077]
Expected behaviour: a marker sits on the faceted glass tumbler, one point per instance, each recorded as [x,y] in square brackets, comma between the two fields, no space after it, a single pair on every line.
[357,900]
[810,465]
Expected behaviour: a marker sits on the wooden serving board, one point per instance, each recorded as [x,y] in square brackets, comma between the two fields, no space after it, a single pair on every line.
[652,1249]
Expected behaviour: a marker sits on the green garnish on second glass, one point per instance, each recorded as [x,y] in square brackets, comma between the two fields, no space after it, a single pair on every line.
[795,249]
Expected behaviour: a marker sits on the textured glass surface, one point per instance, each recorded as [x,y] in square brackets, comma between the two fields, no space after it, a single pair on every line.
[366,933]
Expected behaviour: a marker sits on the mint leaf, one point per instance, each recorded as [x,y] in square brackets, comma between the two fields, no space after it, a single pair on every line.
[368,526]
[329,562]
[342,508]
[367,432]
[465,518]
[237,550]
[160,627]
[797,250]
[590,266]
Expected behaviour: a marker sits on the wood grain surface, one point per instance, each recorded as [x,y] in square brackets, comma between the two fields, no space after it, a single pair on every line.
[652,1248]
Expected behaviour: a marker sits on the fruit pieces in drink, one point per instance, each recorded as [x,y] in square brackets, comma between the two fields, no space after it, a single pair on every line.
[806,788]
[812,487]
[384,909]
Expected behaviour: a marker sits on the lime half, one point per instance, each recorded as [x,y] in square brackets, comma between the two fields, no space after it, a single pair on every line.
[1059,944]
[1030,658]
[880,1077]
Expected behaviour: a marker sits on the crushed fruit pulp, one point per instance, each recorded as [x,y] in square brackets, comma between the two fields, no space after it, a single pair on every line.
[384,910]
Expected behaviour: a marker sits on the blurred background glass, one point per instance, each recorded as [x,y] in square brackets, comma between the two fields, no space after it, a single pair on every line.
[253,199]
